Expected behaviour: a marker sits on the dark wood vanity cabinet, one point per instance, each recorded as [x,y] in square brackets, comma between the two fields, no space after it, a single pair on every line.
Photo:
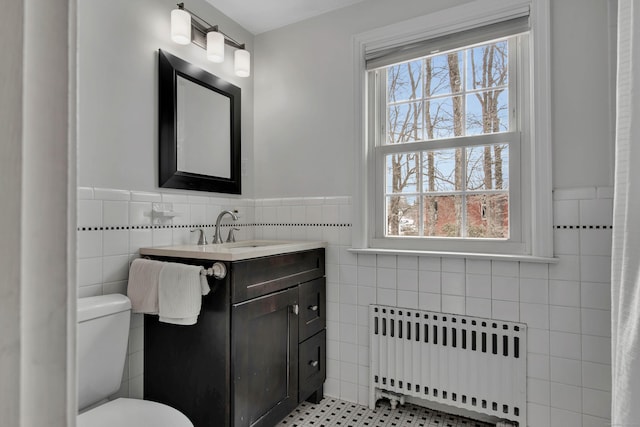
[257,350]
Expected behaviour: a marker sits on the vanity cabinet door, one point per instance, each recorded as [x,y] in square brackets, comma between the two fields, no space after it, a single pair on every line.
[265,358]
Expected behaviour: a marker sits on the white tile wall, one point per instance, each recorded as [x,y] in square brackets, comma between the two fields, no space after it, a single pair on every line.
[478,285]
[566,371]
[479,307]
[566,305]
[113,224]
[505,310]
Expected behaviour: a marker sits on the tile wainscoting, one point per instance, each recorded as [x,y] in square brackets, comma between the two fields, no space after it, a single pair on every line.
[114,224]
[566,305]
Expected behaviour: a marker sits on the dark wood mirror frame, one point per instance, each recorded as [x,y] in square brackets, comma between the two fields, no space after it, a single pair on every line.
[170,67]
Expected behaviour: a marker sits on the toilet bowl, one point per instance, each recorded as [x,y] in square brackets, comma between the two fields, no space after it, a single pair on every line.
[103,331]
[132,413]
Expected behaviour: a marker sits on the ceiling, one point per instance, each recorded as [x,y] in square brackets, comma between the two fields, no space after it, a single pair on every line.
[258,16]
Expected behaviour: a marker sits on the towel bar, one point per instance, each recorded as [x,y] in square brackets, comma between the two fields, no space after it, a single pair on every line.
[217,270]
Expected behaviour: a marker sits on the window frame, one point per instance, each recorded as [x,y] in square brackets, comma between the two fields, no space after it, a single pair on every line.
[533,231]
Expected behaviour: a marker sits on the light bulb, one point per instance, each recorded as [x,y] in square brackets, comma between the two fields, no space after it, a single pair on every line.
[242,63]
[180,26]
[215,46]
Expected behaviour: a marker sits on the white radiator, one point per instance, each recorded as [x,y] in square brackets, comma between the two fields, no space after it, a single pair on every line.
[468,362]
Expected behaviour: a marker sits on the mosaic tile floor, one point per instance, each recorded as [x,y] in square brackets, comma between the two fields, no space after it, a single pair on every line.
[337,413]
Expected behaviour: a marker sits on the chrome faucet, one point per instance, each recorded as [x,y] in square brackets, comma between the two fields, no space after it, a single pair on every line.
[231,237]
[217,238]
[202,240]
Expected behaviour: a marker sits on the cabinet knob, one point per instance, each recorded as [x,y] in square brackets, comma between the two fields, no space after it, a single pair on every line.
[295,308]
[313,363]
[313,307]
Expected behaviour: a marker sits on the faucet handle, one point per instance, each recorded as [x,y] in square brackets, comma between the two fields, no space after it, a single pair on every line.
[202,240]
[232,236]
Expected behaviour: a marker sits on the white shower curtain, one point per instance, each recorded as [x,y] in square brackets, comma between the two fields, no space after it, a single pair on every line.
[625,276]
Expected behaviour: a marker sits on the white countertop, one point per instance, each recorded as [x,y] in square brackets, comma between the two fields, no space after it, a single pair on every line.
[234,251]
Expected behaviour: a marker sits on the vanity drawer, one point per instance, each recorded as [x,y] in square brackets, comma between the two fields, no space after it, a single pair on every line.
[312,370]
[261,276]
[312,297]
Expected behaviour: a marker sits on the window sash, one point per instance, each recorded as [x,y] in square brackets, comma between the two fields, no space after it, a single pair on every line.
[380,77]
[512,139]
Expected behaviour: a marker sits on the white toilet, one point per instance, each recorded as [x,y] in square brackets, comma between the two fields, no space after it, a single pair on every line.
[103,331]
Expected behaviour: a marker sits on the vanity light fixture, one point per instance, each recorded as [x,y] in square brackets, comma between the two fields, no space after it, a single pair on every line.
[242,63]
[187,27]
[180,26]
[215,46]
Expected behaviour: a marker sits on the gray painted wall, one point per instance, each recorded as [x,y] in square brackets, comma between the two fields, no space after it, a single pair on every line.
[118,43]
[304,102]
[583,68]
[304,105]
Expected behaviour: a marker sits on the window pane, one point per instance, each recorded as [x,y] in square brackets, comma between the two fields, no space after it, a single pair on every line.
[405,123]
[488,216]
[404,81]
[402,216]
[488,112]
[402,173]
[442,216]
[443,74]
[444,117]
[488,167]
[441,170]
[488,66]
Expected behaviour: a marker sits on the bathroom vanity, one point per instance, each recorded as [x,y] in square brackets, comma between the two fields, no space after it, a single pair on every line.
[258,348]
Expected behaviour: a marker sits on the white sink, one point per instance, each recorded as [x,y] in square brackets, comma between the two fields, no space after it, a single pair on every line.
[254,243]
[233,251]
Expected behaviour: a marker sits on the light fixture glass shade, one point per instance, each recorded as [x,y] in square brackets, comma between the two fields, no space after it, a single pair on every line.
[242,63]
[180,26]
[215,46]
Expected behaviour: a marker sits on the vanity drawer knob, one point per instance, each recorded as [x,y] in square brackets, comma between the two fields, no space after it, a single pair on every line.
[313,363]
[313,307]
[295,309]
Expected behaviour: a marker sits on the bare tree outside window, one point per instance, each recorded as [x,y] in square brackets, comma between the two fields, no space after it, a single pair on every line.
[457,191]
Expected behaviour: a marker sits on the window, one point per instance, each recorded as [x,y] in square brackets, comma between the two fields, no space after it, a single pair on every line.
[448,129]
[449,155]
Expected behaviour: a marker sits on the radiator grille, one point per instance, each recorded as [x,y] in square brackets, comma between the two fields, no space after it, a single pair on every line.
[467,362]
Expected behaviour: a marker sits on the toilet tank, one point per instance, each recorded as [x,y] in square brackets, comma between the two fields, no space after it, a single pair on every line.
[103,332]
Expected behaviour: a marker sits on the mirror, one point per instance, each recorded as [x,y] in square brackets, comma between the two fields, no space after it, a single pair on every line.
[196,106]
[199,128]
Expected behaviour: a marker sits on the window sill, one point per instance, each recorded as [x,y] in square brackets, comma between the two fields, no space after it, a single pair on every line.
[467,255]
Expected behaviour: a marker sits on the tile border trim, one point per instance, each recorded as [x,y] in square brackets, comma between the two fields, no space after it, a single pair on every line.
[177,226]
[583,227]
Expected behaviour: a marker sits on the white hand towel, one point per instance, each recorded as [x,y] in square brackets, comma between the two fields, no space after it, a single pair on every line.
[142,288]
[180,293]
[204,283]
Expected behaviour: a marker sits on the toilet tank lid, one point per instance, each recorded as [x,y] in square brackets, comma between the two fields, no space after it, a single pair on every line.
[101,305]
